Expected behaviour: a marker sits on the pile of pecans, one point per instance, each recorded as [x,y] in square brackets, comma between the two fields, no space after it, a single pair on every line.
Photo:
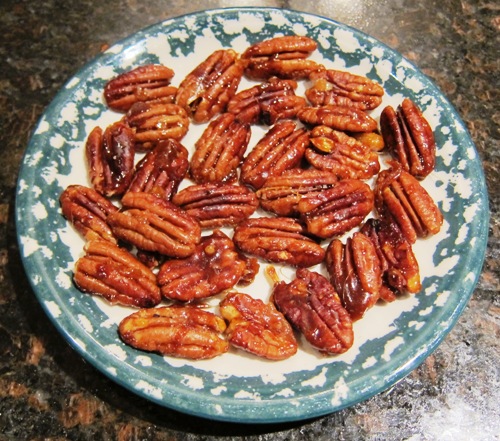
[145,241]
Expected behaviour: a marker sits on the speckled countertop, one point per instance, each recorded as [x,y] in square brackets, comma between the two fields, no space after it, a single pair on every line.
[48,392]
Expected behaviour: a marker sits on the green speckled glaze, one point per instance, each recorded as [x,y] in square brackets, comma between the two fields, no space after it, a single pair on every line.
[391,340]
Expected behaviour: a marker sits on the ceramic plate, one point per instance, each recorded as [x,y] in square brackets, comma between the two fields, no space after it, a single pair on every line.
[390,341]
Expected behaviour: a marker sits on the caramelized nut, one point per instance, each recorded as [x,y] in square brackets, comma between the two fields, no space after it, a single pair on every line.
[214,266]
[311,305]
[150,82]
[220,150]
[278,239]
[112,272]
[87,210]
[341,118]
[217,205]
[178,331]
[154,224]
[257,327]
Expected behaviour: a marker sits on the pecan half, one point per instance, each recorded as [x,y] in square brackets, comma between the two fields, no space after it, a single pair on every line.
[281,194]
[113,273]
[335,211]
[206,91]
[87,210]
[257,327]
[267,103]
[400,195]
[178,331]
[215,266]
[400,270]
[341,154]
[278,239]
[154,122]
[311,305]
[340,88]
[217,205]
[154,224]
[282,148]
[283,57]
[409,138]
[220,150]
[341,118]
[110,158]
[355,272]
[150,82]
[161,170]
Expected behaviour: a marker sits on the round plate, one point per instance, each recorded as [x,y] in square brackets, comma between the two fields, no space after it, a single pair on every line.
[390,341]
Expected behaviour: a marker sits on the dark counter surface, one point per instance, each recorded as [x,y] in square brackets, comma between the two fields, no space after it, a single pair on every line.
[48,392]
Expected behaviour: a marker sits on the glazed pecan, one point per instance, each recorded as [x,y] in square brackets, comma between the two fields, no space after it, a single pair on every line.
[400,195]
[335,211]
[110,158]
[311,305]
[217,205]
[283,57]
[355,272]
[282,148]
[257,327]
[220,150]
[214,266]
[178,331]
[111,272]
[154,224]
[161,170]
[154,122]
[281,194]
[206,91]
[409,138]
[267,103]
[341,154]
[348,119]
[150,82]
[400,270]
[278,239]
[373,140]
[340,88]
[87,210]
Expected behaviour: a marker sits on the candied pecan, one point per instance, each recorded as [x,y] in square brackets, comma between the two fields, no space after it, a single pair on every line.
[409,138]
[400,270]
[150,82]
[341,154]
[355,272]
[372,140]
[110,158]
[341,118]
[281,148]
[267,103]
[335,87]
[335,211]
[220,150]
[111,272]
[154,224]
[214,266]
[217,205]
[87,210]
[161,170]
[153,122]
[311,305]
[283,57]
[400,195]
[281,194]
[278,239]
[178,331]
[206,91]
[257,327]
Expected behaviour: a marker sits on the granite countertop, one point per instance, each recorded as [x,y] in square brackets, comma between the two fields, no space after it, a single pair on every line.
[48,392]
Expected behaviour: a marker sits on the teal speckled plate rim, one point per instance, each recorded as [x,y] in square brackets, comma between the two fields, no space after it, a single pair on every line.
[411,327]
